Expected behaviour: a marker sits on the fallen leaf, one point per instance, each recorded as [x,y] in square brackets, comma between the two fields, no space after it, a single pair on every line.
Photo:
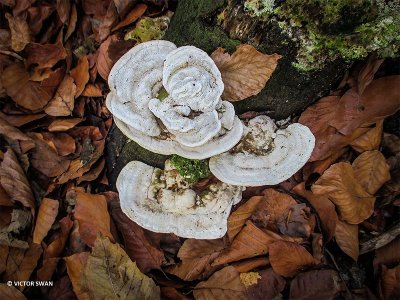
[49,266]
[45,55]
[318,248]
[14,181]
[109,273]
[224,284]
[269,286]
[250,242]
[17,140]
[324,208]
[75,266]
[288,259]
[92,215]
[20,120]
[24,92]
[369,140]
[245,72]
[10,292]
[92,90]
[339,184]
[63,143]
[55,248]
[47,214]
[72,22]
[63,124]
[388,254]
[390,283]
[316,284]
[250,264]
[80,74]
[36,17]
[20,33]
[132,16]
[46,160]
[63,9]
[93,173]
[170,293]
[346,237]
[371,170]
[62,104]
[196,256]
[104,63]
[239,217]
[62,289]
[139,248]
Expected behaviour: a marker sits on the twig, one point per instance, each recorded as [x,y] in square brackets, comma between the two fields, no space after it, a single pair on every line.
[5,52]
[381,240]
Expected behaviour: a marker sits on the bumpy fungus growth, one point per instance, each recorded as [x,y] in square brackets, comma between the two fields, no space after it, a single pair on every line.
[191,169]
[167,99]
[163,201]
[265,155]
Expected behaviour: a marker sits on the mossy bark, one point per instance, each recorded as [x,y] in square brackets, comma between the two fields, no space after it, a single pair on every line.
[287,93]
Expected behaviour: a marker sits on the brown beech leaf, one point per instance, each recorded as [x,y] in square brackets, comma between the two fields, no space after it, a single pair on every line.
[132,16]
[288,259]
[250,264]
[62,289]
[24,92]
[80,74]
[279,212]
[92,215]
[45,55]
[72,22]
[75,266]
[269,286]
[371,170]
[316,284]
[20,33]
[369,140]
[224,284]
[109,273]
[104,63]
[324,207]
[17,140]
[48,268]
[10,292]
[139,248]
[239,217]
[251,241]
[347,238]
[45,158]
[63,142]
[14,181]
[170,293]
[390,283]
[94,172]
[63,124]
[59,239]
[92,90]
[245,72]
[62,103]
[63,10]
[340,185]
[388,254]
[20,120]
[196,256]
[47,214]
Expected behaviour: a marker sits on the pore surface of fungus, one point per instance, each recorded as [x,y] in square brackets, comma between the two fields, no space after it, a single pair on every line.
[163,201]
[168,100]
[265,155]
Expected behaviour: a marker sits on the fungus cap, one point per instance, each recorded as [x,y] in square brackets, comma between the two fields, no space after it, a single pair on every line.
[265,155]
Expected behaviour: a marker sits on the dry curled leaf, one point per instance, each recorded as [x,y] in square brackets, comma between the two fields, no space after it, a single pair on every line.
[45,55]
[80,74]
[369,140]
[288,259]
[75,265]
[62,103]
[20,33]
[109,273]
[340,185]
[347,238]
[59,239]
[239,217]
[390,283]
[92,215]
[10,292]
[14,181]
[47,214]
[371,170]
[26,93]
[245,72]
[132,16]
[224,284]
[63,124]
[251,241]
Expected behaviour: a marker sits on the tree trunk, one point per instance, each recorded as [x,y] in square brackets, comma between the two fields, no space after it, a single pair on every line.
[287,93]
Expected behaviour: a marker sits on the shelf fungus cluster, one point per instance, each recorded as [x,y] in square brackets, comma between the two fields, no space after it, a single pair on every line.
[168,100]
[163,201]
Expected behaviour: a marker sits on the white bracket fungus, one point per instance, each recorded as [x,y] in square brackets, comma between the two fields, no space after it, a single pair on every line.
[162,201]
[265,155]
[167,99]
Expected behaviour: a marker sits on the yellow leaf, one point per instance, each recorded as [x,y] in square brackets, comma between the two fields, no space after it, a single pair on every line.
[340,185]
[371,170]
[110,274]
[245,72]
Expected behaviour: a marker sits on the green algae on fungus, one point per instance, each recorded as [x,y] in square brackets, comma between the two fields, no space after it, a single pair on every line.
[259,7]
[347,29]
[191,169]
